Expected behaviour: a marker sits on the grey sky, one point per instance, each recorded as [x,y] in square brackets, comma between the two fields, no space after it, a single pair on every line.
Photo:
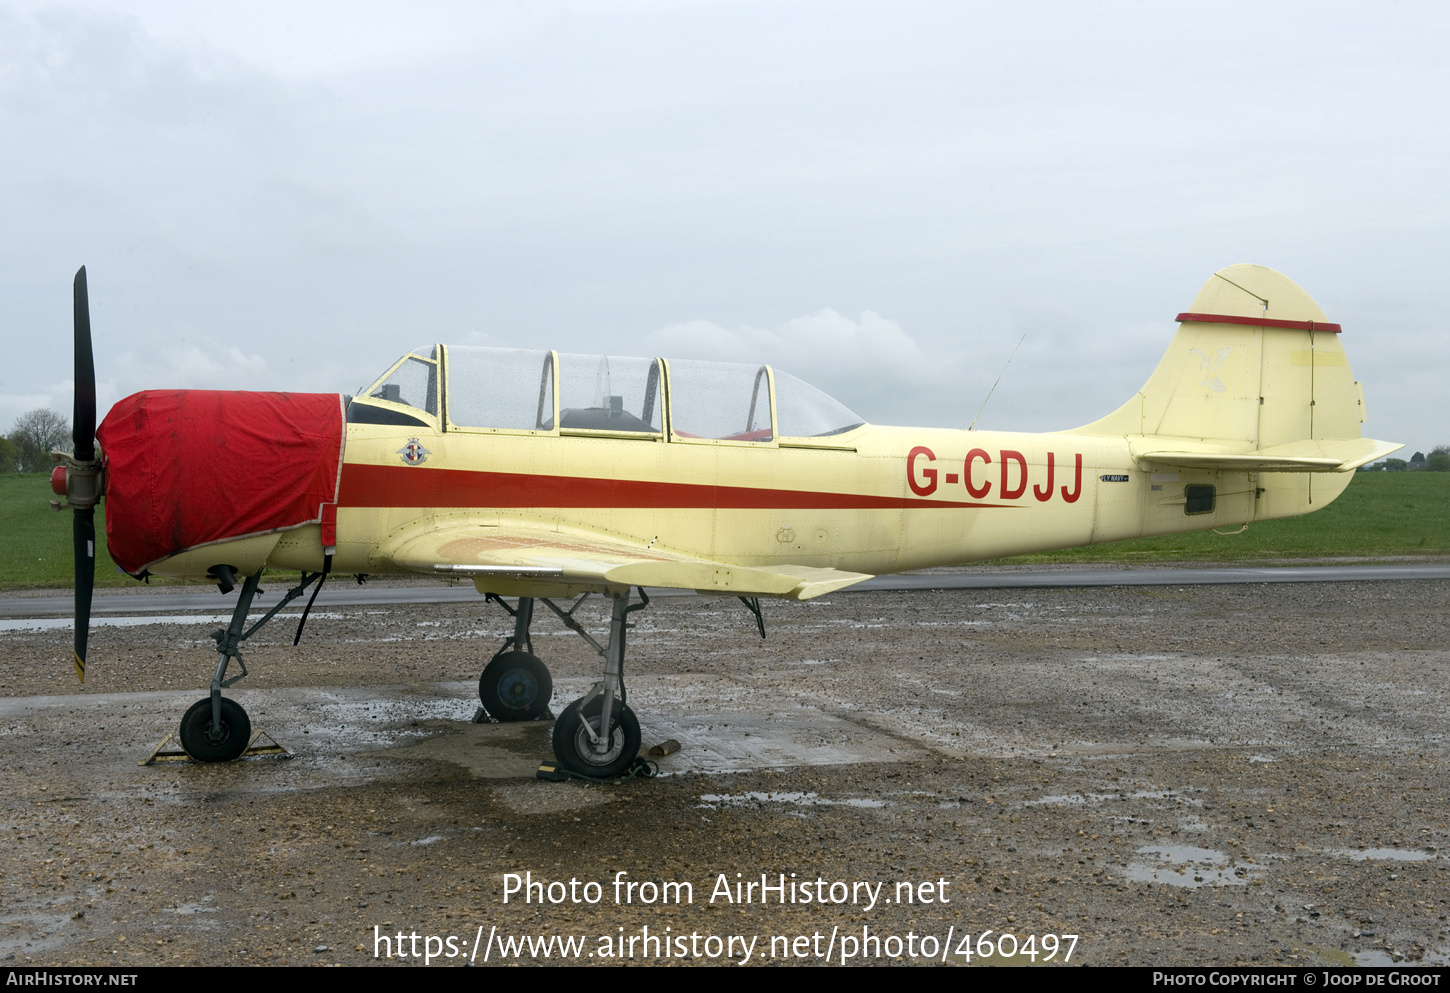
[880,198]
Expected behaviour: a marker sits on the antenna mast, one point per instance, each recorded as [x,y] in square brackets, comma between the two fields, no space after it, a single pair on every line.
[998,380]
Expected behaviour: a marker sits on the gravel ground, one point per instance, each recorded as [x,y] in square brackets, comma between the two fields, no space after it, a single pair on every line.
[1196,775]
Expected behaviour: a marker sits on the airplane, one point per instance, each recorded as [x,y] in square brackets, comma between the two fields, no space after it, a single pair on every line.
[544,476]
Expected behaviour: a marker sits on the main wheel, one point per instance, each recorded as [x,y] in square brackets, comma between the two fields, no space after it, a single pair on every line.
[205,741]
[515,686]
[575,749]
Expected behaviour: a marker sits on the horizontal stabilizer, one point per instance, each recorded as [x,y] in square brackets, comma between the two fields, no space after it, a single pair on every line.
[1311,455]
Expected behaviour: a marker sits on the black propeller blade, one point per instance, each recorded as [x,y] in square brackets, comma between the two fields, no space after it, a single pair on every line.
[83,530]
[83,533]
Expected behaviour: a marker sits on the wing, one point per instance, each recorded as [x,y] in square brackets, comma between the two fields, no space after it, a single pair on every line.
[508,558]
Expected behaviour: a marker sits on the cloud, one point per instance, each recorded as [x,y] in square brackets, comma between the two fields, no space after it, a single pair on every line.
[12,405]
[868,363]
[66,61]
[195,364]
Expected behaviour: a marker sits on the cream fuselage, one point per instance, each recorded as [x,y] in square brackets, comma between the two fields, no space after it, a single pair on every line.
[873,500]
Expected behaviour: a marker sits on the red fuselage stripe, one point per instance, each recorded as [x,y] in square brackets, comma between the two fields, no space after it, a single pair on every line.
[409,486]
[1261,322]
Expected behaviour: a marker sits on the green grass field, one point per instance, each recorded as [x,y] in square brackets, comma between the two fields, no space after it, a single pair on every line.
[35,542]
[1381,515]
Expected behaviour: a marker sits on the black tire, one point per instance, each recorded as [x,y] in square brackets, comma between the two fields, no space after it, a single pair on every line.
[574,749]
[205,742]
[515,686]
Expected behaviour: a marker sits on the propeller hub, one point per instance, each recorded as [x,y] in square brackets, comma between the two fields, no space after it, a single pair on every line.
[81,483]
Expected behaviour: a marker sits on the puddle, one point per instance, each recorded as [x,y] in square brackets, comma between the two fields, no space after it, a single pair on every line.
[187,909]
[482,749]
[30,933]
[1185,854]
[1065,798]
[1127,658]
[1388,854]
[346,721]
[715,800]
[347,734]
[1186,866]
[1377,958]
[1077,798]
[52,623]
[737,742]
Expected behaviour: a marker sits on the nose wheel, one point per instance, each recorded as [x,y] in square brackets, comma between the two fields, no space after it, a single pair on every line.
[515,686]
[209,740]
[216,728]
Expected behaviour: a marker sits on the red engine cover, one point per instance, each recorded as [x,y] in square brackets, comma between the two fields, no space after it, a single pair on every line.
[192,467]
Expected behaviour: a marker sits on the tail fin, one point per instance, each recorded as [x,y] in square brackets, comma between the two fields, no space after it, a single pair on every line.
[1255,380]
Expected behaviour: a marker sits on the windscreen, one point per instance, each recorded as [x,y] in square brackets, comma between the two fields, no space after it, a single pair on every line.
[413,383]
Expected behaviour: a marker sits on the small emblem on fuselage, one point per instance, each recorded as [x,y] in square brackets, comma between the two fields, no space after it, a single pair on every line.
[413,453]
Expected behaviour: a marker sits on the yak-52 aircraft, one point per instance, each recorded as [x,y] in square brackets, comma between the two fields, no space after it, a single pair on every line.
[542,475]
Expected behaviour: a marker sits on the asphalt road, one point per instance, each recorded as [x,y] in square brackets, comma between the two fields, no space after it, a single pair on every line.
[345,592]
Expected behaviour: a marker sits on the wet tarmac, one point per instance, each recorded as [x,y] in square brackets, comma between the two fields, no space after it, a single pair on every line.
[398,591]
[1191,775]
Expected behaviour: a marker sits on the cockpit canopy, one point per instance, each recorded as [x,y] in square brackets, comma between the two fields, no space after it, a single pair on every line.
[518,389]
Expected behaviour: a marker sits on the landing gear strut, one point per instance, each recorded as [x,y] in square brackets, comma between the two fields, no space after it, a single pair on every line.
[584,741]
[518,685]
[216,729]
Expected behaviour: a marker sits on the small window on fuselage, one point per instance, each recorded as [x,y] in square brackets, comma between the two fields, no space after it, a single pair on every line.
[1200,499]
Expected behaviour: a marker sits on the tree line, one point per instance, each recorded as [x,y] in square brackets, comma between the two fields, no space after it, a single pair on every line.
[35,435]
[1437,461]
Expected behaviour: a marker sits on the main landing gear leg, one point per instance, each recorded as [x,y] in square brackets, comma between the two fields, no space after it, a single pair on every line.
[217,729]
[585,741]
[515,685]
